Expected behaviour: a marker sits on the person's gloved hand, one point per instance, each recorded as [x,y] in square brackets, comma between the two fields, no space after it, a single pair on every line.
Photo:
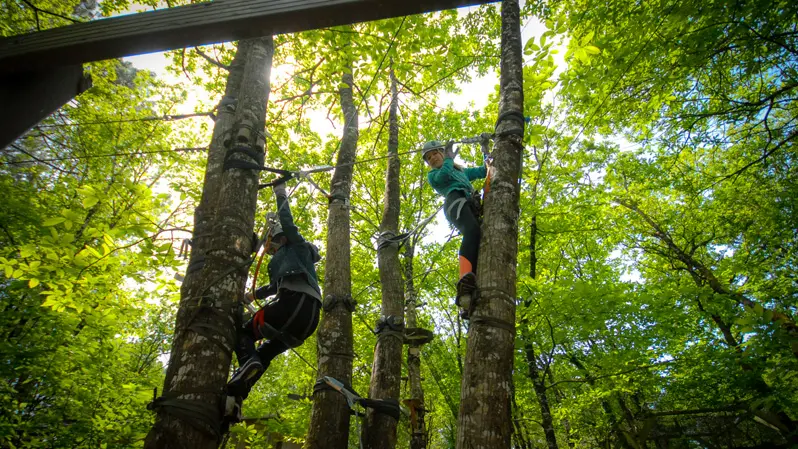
[448,150]
[247,298]
[279,189]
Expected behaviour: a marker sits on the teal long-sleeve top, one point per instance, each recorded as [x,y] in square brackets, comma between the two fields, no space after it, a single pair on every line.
[447,179]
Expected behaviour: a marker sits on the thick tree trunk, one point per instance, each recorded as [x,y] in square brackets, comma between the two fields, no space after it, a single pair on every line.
[485,419]
[329,421]
[379,431]
[225,117]
[418,431]
[222,245]
[543,399]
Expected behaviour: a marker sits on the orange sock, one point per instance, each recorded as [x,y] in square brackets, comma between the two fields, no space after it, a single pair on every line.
[465,266]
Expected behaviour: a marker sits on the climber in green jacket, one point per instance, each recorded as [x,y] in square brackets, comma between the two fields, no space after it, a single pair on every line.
[454,183]
[288,320]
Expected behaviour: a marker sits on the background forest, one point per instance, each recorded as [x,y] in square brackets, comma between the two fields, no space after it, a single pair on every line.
[658,237]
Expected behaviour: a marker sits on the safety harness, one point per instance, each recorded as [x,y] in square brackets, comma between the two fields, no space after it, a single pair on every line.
[269,332]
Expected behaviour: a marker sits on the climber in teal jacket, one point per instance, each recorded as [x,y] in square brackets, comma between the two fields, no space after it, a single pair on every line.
[454,183]
[292,317]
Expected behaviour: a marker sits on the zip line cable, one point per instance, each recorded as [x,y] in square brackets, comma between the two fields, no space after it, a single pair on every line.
[165,118]
[100,156]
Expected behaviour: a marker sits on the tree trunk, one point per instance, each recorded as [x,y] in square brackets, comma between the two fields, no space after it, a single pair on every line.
[418,431]
[222,245]
[543,399]
[329,421]
[379,431]
[485,392]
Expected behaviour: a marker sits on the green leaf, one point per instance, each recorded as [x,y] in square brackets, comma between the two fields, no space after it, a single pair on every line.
[53,221]
[90,201]
[530,46]
[592,49]
[587,38]
[582,56]
[27,251]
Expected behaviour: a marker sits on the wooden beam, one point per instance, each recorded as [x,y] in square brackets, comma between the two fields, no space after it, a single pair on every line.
[27,97]
[196,24]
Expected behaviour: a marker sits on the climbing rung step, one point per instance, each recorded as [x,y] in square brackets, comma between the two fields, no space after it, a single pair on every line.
[418,336]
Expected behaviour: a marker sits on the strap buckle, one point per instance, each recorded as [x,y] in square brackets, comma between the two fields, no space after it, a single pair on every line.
[286,176]
[335,384]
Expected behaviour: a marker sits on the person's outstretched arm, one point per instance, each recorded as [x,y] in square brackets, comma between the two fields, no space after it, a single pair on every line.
[290,230]
[473,173]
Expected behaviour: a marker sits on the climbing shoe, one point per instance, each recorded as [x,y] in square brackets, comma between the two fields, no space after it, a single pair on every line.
[231,413]
[245,377]
[466,288]
[232,409]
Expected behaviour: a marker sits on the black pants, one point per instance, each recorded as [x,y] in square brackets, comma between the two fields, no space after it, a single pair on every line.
[293,314]
[460,211]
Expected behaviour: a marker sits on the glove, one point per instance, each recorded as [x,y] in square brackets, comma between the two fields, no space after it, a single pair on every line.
[247,298]
[279,189]
[448,151]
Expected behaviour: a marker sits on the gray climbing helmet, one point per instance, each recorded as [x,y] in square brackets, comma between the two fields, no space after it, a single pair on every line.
[273,222]
[432,145]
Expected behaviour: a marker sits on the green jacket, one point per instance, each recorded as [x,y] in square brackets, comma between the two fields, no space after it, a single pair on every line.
[297,256]
[448,179]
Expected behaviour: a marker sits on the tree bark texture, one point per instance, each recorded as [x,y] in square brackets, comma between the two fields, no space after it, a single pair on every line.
[222,246]
[537,379]
[225,117]
[485,420]
[329,421]
[379,431]
[418,431]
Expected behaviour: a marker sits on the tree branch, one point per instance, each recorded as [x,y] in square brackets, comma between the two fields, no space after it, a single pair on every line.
[44,11]
[211,60]
[620,373]
[789,138]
